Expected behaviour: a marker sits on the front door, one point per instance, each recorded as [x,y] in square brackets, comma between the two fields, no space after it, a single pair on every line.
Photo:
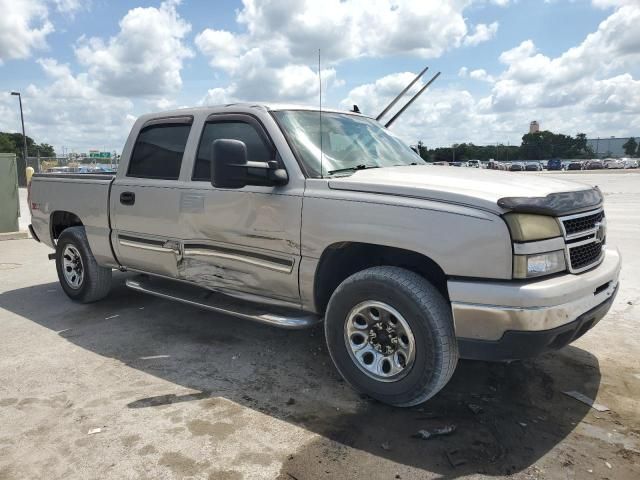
[243,240]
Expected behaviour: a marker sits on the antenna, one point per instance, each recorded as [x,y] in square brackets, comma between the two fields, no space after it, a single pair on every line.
[320,113]
[413,99]
[406,89]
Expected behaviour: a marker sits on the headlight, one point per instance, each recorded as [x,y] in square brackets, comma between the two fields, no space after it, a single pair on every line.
[538,264]
[525,227]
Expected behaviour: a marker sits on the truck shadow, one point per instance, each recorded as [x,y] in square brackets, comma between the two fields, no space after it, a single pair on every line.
[506,416]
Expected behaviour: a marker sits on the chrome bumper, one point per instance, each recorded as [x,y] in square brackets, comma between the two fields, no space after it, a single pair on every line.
[532,306]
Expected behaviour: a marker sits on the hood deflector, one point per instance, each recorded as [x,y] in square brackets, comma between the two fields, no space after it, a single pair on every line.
[555,204]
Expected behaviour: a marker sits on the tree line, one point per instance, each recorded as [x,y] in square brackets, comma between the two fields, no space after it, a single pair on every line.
[12,143]
[542,145]
[631,148]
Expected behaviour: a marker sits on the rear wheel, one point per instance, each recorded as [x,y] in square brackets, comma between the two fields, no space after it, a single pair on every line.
[81,278]
[390,334]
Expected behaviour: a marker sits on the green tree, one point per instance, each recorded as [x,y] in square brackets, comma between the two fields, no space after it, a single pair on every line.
[12,143]
[630,147]
[6,144]
[423,151]
[45,150]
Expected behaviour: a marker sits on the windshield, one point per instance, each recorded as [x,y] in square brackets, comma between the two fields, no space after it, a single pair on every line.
[349,142]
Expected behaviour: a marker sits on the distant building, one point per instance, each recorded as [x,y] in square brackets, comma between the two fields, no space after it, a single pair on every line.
[534,127]
[609,147]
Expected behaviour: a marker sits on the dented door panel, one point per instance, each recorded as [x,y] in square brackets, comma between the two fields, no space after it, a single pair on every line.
[245,240]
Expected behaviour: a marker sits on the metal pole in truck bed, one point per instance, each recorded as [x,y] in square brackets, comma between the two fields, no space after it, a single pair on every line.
[413,99]
[406,89]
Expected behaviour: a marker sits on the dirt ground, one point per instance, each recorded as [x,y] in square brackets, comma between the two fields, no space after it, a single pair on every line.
[181,393]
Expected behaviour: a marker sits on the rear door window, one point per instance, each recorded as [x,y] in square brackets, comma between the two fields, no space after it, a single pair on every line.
[158,151]
[257,148]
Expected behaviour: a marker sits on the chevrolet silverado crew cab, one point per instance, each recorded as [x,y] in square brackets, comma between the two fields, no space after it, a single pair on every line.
[291,216]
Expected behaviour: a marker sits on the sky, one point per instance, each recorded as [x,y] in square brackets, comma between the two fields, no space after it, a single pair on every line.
[87,68]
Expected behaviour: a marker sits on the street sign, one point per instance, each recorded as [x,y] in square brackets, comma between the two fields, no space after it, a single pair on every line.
[96,154]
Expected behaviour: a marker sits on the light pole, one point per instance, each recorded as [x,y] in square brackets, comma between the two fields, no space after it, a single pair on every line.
[21,171]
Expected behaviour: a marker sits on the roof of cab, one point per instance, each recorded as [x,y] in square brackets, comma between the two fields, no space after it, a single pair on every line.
[242,107]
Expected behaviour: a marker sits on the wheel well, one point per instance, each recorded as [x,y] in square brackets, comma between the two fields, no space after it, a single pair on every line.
[342,260]
[61,220]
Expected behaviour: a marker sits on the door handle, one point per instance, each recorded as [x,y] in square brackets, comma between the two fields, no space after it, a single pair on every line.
[127,198]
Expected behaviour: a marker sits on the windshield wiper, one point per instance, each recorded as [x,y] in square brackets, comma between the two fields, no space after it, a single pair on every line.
[352,169]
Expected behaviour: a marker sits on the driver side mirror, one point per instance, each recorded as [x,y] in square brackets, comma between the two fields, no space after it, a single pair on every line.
[231,169]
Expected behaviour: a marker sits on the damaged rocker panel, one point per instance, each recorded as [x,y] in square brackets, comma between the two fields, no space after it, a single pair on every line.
[252,258]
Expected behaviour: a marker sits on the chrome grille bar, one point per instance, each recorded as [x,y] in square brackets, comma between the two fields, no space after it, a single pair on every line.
[585,235]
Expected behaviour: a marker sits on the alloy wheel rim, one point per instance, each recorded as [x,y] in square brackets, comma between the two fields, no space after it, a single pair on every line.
[72,267]
[379,341]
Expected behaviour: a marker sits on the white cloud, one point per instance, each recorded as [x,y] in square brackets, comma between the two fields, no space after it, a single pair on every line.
[482,33]
[144,58]
[292,83]
[95,108]
[218,96]
[71,111]
[276,51]
[354,28]
[613,3]
[441,116]
[481,74]
[70,7]
[535,80]
[24,26]
[588,88]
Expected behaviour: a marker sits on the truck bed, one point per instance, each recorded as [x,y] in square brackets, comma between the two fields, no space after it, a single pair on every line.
[86,196]
[77,176]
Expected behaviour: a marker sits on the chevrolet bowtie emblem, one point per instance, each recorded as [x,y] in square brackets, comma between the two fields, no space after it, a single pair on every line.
[601,231]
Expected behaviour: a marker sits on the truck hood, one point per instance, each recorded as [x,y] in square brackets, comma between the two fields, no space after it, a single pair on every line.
[465,186]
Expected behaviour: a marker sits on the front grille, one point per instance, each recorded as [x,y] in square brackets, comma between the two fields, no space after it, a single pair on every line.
[580,224]
[584,235]
[584,255]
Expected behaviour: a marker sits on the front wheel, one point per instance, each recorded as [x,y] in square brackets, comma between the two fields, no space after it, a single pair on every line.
[81,278]
[390,334]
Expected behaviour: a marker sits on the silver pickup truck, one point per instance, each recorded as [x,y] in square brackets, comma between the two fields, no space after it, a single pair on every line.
[290,216]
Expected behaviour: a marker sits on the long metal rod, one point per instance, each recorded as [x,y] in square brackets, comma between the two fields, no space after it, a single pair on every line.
[406,89]
[413,99]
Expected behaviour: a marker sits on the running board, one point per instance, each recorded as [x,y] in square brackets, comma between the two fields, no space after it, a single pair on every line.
[221,303]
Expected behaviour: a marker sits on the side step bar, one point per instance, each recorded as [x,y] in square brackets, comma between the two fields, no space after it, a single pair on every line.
[221,303]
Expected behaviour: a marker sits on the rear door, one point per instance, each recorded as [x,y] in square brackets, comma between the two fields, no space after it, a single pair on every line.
[145,199]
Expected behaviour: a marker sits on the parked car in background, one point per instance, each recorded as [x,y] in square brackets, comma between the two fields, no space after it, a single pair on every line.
[613,163]
[575,166]
[554,164]
[533,167]
[630,163]
[516,167]
[474,163]
[593,165]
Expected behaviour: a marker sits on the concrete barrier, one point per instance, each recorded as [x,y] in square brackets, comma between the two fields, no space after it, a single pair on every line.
[9,201]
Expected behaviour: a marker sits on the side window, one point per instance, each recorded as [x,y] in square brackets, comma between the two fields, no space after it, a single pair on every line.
[158,151]
[257,149]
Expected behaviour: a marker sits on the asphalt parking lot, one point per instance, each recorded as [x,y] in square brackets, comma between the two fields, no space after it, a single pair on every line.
[138,387]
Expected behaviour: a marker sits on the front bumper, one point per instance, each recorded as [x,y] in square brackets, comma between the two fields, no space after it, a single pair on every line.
[524,319]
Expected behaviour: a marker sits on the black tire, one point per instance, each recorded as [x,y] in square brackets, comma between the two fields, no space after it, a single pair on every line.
[96,280]
[426,312]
